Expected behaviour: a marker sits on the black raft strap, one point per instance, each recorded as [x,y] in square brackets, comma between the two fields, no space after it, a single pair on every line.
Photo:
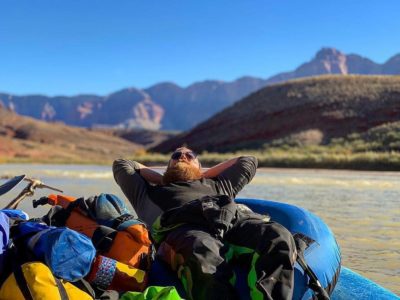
[314,283]
[61,289]
[103,238]
[302,243]
[21,281]
[124,218]
[23,285]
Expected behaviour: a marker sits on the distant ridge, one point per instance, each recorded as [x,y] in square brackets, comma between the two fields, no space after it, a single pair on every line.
[28,139]
[302,111]
[168,106]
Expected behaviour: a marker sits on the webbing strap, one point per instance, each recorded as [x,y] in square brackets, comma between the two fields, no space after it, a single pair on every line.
[23,285]
[103,238]
[314,283]
[35,238]
[21,281]
[123,221]
[302,242]
[61,289]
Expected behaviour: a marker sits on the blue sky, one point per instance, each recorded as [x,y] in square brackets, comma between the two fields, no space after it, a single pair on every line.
[57,47]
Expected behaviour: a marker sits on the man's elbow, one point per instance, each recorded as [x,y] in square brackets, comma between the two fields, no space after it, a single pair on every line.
[250,159]
[117,164]
[250,164]
[126,166]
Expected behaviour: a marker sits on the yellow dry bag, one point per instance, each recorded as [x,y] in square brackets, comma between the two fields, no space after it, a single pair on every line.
[34,281]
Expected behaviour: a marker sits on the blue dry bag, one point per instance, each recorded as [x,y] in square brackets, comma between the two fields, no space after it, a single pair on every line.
[4,237]
[67,253]
[16,214]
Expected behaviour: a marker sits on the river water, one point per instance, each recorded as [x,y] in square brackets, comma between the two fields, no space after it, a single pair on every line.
[361,208]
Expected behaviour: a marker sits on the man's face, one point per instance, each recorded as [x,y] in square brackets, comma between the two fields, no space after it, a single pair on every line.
[183,166]
[185,156]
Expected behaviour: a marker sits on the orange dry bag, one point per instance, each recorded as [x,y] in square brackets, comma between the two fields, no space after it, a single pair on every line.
[115,232]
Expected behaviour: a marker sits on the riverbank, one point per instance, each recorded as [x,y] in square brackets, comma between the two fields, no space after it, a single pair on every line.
[317,157]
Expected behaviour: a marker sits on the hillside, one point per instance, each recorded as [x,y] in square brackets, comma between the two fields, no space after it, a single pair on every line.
[312,111]
[144,137]
[167,106]
[27,139]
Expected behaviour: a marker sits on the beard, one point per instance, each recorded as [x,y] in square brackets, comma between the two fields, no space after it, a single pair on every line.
[182,171]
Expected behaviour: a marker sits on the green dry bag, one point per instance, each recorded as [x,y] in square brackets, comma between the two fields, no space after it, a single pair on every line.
[153,293]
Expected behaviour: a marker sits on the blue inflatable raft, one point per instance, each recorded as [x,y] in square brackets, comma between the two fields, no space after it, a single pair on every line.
[322,253]
[322,256]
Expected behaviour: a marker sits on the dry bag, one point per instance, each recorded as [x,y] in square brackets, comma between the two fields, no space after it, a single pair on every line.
[34,280]
[4,237]
[105,219]
[67,253]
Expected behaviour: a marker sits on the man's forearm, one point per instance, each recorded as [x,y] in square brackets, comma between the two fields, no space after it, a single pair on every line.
[124,167]
[149,175]
[218,169]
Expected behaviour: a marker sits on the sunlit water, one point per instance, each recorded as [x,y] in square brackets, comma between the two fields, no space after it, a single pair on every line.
[362,208]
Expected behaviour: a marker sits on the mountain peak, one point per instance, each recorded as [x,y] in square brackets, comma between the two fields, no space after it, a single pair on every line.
[165,85]
[326,61]
[328,53]
[393,59]
[392,66]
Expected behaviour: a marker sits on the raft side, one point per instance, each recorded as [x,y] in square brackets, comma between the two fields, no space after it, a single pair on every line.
[352,285]
[322,255]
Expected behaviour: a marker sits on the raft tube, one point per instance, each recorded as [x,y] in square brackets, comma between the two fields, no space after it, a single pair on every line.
[322,254]
[354,286]
[323,258]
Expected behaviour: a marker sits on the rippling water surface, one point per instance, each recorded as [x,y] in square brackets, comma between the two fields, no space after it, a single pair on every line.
[362,208]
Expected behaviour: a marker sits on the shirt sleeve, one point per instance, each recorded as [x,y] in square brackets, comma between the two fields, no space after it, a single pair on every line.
[127,176]
[136,189]
[232,180]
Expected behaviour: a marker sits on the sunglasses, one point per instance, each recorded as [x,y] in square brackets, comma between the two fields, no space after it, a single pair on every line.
[189,155]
